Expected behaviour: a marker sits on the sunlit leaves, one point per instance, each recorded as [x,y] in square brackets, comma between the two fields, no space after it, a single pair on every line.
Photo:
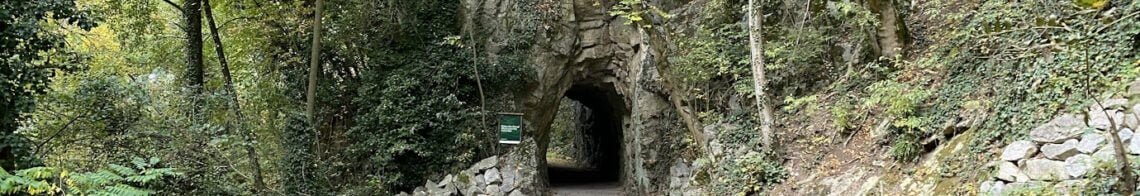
[1092,4]
[114,180]
[635,12]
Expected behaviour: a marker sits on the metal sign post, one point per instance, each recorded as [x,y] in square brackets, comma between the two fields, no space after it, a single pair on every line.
[510,128]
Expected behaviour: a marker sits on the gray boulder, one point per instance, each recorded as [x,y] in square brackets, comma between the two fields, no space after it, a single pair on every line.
[1111,103]
[472,190]
[433,191]
[1060,151]
[1045,169]
[1077,166]
[1009,172]
[996,188]
[1090,142]
[446,180]
[992,188]
[486,163]
[510,176]
[480,181]
[1106,153]
[679,168]
[1010,188]
[1019,150]
[1070,187]
[492,176]
[492,190]
[1125,134]
[431,187]
[1130,119]
[1062,128]
[419,191]
[985,187]
[1133,146]
[1100,120]
[447,190]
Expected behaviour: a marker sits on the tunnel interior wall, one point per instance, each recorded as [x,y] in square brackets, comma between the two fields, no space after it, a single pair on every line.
[600,119]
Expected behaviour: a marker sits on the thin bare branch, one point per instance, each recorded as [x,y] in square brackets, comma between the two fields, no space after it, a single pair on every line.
[176,7]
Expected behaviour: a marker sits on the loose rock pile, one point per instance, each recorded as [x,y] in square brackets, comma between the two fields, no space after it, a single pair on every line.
[510,175]
[1060,154]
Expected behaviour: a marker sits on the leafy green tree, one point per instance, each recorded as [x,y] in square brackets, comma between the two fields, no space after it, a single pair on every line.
[247,136]
[31,52]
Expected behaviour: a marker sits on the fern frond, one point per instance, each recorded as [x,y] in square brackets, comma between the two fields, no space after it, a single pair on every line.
[37,172]
[139,163]
[123,170]
[124,190]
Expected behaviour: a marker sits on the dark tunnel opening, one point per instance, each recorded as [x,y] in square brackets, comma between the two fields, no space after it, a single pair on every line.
[599,121]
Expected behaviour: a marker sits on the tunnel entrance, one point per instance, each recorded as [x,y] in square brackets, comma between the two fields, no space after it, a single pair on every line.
[586,139]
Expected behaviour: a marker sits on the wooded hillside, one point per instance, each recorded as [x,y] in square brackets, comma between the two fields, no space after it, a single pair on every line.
[671,97]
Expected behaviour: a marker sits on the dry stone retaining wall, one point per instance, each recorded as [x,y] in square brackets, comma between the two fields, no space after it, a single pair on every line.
[512,174]
[1062,153]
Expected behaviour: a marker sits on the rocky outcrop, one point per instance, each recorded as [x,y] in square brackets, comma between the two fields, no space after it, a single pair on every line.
[681,179]
[578,49]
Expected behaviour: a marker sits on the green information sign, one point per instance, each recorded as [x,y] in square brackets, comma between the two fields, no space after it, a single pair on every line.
[510,128]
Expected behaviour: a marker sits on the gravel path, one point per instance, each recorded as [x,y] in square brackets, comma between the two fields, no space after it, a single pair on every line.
[570,179]
[609,188]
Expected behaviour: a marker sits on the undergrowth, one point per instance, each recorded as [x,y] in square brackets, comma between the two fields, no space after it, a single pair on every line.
[1015,65]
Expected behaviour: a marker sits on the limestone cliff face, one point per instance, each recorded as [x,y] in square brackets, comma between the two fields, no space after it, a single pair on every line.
[579,51]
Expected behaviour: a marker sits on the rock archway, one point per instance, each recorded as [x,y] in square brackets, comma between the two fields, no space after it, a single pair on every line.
[579,51]
[593,57]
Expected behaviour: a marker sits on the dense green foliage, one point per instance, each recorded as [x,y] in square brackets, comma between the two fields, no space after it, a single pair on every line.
[739,174]
[128,102]
[401,107]
[900,102]
[33,51]
[112,180]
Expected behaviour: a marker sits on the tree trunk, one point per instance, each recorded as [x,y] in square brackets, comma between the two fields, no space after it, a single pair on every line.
[657,37]
[250,137]
[1127,182]
[494,142]
[892,36]
[759,82]
[195,76]
[314,66]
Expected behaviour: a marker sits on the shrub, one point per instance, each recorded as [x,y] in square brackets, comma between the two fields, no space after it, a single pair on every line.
[746,174]
[112,180]
[901,101]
